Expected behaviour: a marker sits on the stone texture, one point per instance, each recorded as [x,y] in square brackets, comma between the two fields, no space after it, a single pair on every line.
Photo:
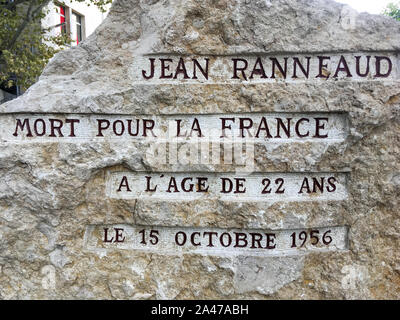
[50,192]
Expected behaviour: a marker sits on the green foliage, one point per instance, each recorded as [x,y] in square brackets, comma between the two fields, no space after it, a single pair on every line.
[393,10]
[25,47]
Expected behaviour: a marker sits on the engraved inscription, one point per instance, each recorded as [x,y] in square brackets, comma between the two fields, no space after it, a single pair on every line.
[259,127]
[215,241]
[228,186]
[258,68]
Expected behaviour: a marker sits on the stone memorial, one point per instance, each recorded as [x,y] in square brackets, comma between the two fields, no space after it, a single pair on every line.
[227,149]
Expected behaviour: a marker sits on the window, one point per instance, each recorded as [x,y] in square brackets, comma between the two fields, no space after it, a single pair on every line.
[63,24]
[71,23]
[76,27]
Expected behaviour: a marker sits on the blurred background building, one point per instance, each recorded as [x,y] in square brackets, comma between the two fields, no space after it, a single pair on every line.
[76,19]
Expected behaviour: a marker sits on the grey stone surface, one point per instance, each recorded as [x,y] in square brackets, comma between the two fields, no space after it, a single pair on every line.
[50,192]
[266,275]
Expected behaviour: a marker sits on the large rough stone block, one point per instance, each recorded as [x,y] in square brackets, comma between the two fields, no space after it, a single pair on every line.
[103,194]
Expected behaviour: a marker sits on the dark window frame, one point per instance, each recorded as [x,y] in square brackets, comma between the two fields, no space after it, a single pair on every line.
[79,25]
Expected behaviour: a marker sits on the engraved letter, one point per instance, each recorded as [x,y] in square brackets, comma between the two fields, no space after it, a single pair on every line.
[323,66]
[196,64]
[358,66]
[151,70]
[236,68]
[344,68]
[379,74]
[124,183]
[22,126]
[296,62]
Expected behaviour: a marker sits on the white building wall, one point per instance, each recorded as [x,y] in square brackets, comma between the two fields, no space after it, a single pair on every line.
[92,16]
